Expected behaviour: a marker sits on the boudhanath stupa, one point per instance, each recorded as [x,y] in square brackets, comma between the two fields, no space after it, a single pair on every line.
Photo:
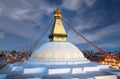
[58,59]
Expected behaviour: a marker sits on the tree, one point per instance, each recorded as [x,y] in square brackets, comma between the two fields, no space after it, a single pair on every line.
[13,52]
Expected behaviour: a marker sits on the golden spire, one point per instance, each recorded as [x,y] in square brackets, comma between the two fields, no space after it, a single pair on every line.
[57,13]
[58,33]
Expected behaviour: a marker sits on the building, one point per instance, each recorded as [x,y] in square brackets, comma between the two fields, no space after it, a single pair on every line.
[58,59]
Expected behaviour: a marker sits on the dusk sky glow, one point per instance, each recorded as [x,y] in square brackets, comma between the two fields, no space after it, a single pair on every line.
[22,22]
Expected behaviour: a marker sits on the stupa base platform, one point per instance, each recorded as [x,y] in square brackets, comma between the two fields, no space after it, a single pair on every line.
[37,70]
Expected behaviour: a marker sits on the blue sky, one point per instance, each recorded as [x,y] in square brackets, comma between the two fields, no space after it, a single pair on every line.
[22,22]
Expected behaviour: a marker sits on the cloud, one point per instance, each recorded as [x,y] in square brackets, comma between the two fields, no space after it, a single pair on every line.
[2,35]
[20,17]
[25,9]
[99,35]
[0,9]
[20,14]
[85,22]
[90,3]
[109,30]
[71,5]
[94,22]
[113,45]
[77,4]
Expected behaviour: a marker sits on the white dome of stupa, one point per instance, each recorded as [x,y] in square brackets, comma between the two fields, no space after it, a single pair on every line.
[57,51]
